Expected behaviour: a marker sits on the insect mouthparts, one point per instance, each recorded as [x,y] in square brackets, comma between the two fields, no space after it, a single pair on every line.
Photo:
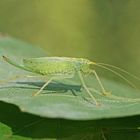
[4,57]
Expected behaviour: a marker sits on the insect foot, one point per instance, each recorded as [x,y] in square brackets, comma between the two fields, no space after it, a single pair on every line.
[106,93]
[98,105]
[35,94]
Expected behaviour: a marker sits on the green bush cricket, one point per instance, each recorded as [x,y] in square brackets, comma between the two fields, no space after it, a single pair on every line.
[65,67]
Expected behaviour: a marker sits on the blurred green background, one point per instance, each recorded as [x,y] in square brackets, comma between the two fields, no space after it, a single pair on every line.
[102,30]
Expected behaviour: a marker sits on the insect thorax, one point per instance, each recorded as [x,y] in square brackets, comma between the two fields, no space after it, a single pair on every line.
[83,65]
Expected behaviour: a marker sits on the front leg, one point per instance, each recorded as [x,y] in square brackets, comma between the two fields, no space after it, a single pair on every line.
[101,85]
[85,87]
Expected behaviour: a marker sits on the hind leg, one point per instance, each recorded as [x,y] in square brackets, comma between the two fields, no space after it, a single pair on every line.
[45,85]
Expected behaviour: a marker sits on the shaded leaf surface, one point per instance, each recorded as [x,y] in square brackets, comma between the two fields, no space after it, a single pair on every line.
[18,125]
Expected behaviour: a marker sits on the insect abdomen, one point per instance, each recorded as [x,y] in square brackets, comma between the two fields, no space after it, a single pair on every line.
[57,69]
[50,68]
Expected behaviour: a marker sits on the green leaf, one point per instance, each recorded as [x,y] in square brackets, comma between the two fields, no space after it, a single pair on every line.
[63,98]
[17,125]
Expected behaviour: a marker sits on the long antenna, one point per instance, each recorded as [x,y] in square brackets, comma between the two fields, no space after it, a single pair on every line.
[116,73]
[122,70]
